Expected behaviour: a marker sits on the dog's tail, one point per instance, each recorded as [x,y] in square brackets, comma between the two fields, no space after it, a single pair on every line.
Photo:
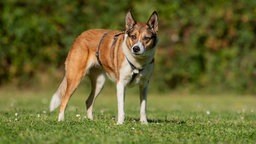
[56,98]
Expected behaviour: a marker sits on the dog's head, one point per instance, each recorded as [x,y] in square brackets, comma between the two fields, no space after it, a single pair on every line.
[141,37]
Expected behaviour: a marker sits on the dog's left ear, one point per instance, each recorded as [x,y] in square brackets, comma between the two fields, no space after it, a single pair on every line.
[153,22]
[129,21]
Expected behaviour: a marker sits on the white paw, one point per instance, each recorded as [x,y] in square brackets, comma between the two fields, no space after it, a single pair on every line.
[61,116]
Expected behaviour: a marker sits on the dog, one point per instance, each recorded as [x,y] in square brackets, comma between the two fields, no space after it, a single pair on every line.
[126,57]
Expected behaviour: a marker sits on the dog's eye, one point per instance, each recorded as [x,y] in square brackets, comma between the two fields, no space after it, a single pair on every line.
[146,38]
[133,37]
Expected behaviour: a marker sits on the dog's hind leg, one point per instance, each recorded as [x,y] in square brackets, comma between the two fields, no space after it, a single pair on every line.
[76,67]
[72,82]
[73,79]
[97,82]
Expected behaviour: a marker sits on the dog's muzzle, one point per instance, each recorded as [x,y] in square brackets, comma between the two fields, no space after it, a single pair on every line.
[137,49]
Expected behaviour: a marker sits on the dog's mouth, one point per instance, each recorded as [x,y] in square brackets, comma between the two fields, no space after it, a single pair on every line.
[143,54]
[137,53]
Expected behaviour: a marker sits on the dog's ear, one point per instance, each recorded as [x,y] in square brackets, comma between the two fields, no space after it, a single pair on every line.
[153,22]
[129,21]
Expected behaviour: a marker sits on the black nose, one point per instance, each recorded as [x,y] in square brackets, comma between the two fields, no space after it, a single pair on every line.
[136,49]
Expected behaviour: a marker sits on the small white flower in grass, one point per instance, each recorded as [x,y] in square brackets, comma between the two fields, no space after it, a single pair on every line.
[16,119]
[102,112]
[38,115]
[133,128]
[44,112]
[77,115]
[16,114]
[208,112]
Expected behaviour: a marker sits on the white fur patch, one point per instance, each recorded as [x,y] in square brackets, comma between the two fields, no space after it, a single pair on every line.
[55,102]
[125,73]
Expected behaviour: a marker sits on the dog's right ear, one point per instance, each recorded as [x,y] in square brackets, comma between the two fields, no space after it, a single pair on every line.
[129,21]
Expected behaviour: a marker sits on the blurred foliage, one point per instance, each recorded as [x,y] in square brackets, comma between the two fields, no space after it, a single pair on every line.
[202,44]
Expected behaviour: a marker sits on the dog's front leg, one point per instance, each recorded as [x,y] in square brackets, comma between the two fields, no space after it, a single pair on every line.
[143,102]
[120,101]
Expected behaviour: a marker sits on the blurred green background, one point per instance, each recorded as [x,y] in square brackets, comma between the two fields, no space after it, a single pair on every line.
[203,45]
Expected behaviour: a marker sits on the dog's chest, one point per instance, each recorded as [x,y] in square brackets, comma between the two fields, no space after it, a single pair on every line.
[131,76]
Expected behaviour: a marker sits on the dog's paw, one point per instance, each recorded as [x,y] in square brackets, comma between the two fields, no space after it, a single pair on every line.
[89,116]
[119,123]
[61,116]
[144,121]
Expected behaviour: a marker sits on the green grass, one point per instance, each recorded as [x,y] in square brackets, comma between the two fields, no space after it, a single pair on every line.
[173,118]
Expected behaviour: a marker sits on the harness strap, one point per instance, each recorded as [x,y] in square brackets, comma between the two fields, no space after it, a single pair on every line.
[115,37]
[113,43]
[97,53]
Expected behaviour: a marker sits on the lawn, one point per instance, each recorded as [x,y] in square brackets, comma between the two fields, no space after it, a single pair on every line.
[173,118]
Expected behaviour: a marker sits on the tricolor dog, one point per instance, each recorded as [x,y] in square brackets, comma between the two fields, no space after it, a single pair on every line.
[127,58]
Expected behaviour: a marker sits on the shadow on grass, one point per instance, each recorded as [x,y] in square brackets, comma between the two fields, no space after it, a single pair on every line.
[166,121]
[158,121]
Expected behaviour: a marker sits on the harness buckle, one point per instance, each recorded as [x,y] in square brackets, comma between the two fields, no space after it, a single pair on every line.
[136,71]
